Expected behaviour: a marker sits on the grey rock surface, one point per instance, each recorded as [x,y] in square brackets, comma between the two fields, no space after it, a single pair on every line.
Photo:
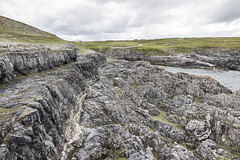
[32,61]
[208,149]
[199,130]
[211,58]
[98,108]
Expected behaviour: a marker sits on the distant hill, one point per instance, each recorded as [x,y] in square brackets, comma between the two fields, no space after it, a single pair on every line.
[16,31]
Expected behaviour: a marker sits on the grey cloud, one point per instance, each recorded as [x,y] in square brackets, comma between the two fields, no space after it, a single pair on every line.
[87,20]
[125,19]
[105,16]
[91,23]
[95,19]
[229,11]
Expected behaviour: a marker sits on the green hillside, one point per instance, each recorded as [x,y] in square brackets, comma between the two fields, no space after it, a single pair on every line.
[169,45]
[15,31]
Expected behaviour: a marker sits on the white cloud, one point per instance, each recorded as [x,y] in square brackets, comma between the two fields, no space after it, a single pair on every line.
[127,19]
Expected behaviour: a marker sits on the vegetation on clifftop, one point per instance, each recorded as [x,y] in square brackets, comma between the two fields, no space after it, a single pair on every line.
[18,32]
[169,45]
[15,31]
[12,31]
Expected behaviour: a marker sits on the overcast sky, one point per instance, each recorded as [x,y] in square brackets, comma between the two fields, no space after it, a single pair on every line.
[128,19]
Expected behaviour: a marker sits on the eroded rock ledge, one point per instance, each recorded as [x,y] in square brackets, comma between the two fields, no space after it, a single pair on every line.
[29,60]
[36,110]
[98,109]
[216,58]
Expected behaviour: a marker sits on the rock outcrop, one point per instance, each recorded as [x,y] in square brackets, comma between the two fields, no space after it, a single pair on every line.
[28,60]
[116,109]
[212,58]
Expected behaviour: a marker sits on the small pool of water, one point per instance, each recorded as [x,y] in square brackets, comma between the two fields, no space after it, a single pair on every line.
[229,79]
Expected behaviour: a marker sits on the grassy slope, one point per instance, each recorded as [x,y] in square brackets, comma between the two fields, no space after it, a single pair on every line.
[14,31]
[18,32]
[170,45]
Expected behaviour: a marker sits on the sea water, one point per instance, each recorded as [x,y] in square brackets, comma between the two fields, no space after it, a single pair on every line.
[229,79]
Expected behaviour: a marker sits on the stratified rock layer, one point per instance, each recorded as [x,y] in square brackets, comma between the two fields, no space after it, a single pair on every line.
[211,58]
[93,109]
[26,61]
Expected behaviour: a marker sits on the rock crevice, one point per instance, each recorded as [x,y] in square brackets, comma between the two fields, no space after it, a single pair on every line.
[115,109]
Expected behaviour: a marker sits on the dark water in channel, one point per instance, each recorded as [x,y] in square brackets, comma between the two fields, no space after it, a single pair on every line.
[229,79]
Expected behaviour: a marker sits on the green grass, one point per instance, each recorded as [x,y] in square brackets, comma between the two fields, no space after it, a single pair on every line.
[155,154]
[6,113]
[169,45]
[22,38]
[15,31]
[12,31]
[162,118]
[117,153]
[3,95]
[197,100]
[150,129]
[79,45]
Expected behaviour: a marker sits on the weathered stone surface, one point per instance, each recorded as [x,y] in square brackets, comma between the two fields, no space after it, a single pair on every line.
[26,62]
[207,150]
[6,70]
[178,152]
[199,130]
[93,109]
[4,152]
[182,61]
[210,58]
